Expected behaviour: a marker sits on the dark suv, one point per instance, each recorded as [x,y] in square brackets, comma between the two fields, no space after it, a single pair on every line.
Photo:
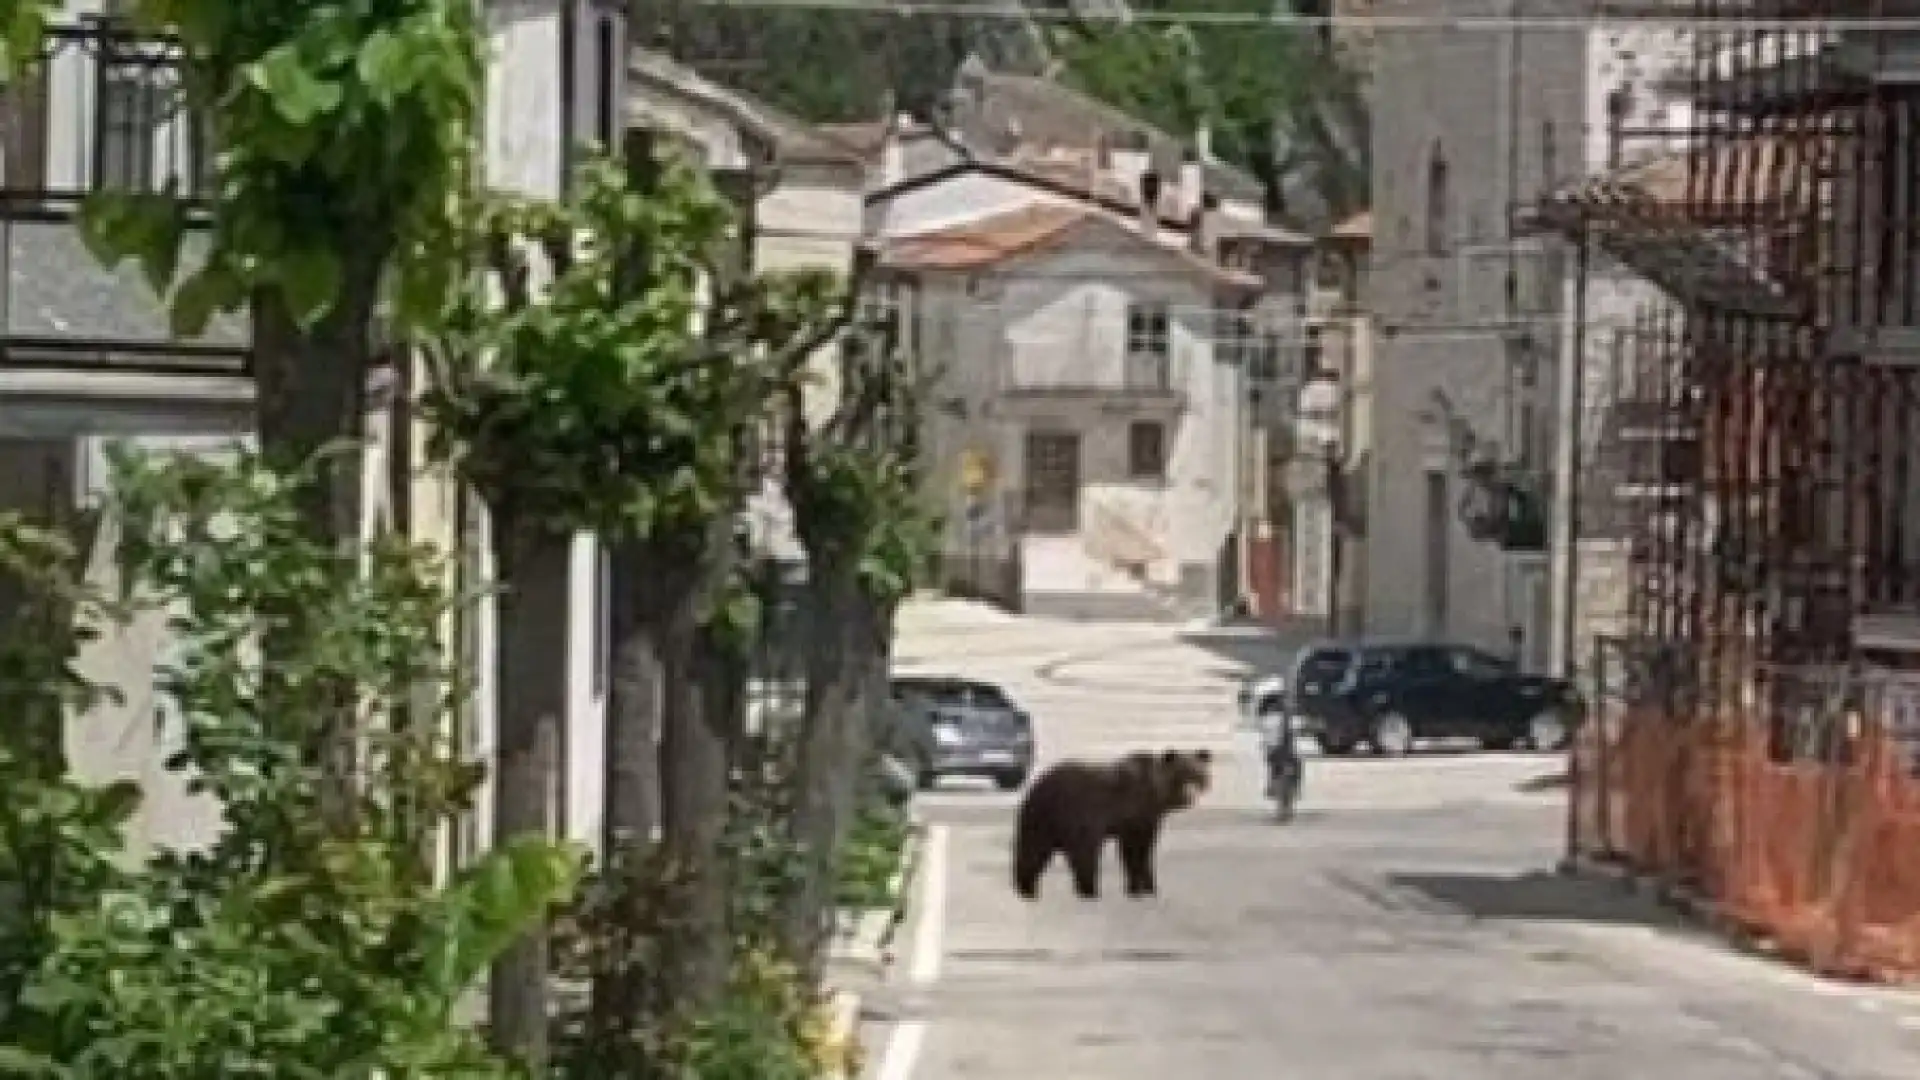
[1389,695]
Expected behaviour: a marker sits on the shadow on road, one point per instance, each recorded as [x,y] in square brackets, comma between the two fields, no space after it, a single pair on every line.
[1261,649]
[1537,896]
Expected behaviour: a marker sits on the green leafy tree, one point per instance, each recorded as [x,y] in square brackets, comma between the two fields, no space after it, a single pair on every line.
[282,947]
[22,23]
[60,839]
[343,130]
[859,507]
[622,398]
[1275,98]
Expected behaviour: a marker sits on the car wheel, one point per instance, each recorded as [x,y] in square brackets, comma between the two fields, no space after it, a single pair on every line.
[1547,731]
[1392,735]
[929,780]
[1010,781]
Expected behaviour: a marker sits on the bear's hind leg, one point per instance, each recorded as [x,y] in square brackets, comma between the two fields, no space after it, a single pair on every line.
[1083,858]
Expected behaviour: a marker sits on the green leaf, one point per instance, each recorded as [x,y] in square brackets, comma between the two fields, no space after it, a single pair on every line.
[310,280]
[18,1062]
[201,297]
[386,66]
[297,94]
[497,899]
[121,225]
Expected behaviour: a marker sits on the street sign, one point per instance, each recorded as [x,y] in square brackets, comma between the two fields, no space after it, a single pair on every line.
[976,472]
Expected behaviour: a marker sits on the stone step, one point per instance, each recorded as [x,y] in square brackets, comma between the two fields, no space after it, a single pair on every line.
[1110,605]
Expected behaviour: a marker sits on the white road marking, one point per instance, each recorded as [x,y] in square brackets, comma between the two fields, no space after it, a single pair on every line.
[903,1051]
[929,952]
[928,944]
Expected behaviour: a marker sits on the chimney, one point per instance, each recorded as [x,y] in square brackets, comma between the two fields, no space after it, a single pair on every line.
[1193,183]
[1203,144]
[1200,228]
[893,151]
[1149,203]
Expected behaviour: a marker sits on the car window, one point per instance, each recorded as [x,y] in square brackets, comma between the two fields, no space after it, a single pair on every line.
[1324,666]
[1377,664]
[987,696]
[1475,664]
[1426,663]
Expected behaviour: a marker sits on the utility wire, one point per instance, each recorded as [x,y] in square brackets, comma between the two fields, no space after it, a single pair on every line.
[1478,23]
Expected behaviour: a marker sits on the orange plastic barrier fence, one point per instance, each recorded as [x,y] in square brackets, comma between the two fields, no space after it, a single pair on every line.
[1820,857]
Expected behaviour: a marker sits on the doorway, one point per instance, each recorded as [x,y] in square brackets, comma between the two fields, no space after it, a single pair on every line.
[1052,493]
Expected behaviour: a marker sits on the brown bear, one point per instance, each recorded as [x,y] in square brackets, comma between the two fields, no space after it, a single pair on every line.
[1075,807]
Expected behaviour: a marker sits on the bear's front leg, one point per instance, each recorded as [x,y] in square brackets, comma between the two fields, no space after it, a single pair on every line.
[1031,854]
[1137,842]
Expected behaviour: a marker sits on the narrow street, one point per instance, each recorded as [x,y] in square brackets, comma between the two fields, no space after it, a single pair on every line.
[1407,926]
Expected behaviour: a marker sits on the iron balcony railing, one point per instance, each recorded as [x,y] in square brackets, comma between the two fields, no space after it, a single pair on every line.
[105,109]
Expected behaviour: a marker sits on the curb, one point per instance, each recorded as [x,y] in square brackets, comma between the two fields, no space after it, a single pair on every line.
[866,934]
[841,1044]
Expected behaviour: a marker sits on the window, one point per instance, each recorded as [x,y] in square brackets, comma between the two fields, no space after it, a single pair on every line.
[1147,330]
[1263,357]
[1323,665]
[132,112]
[883,302]
[1474,664]
[1426,663]
[1439,561]
[1146,450]
[1549,164]
[1148,366]
[1439,198]
[606,78]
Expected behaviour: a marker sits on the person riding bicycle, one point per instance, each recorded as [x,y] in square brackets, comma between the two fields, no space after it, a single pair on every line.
[1282,746]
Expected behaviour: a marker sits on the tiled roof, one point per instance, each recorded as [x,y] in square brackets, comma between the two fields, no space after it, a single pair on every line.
[1051,113]
[986,241]
[991,240]
[793,138]
[1702,223]
[1726,183]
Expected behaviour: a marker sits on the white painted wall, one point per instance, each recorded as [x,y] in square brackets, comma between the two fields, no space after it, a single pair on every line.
[525,154]
[1061,319]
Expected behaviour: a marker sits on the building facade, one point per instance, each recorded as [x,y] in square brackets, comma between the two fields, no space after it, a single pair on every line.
[1766,676]
[1469,126]
[88,359]
[1086,408]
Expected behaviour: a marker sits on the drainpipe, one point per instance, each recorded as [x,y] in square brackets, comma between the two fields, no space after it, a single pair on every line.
[1565,542]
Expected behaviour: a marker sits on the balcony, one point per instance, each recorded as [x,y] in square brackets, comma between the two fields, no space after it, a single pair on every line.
[1116,379]
[105,110]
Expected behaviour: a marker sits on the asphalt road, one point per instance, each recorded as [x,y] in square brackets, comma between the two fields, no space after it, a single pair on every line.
[1406,926]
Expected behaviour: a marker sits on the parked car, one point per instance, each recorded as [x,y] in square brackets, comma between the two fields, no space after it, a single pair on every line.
[976,728]
[1388,695]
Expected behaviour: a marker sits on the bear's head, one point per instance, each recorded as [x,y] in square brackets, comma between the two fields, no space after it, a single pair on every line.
[1182,776]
